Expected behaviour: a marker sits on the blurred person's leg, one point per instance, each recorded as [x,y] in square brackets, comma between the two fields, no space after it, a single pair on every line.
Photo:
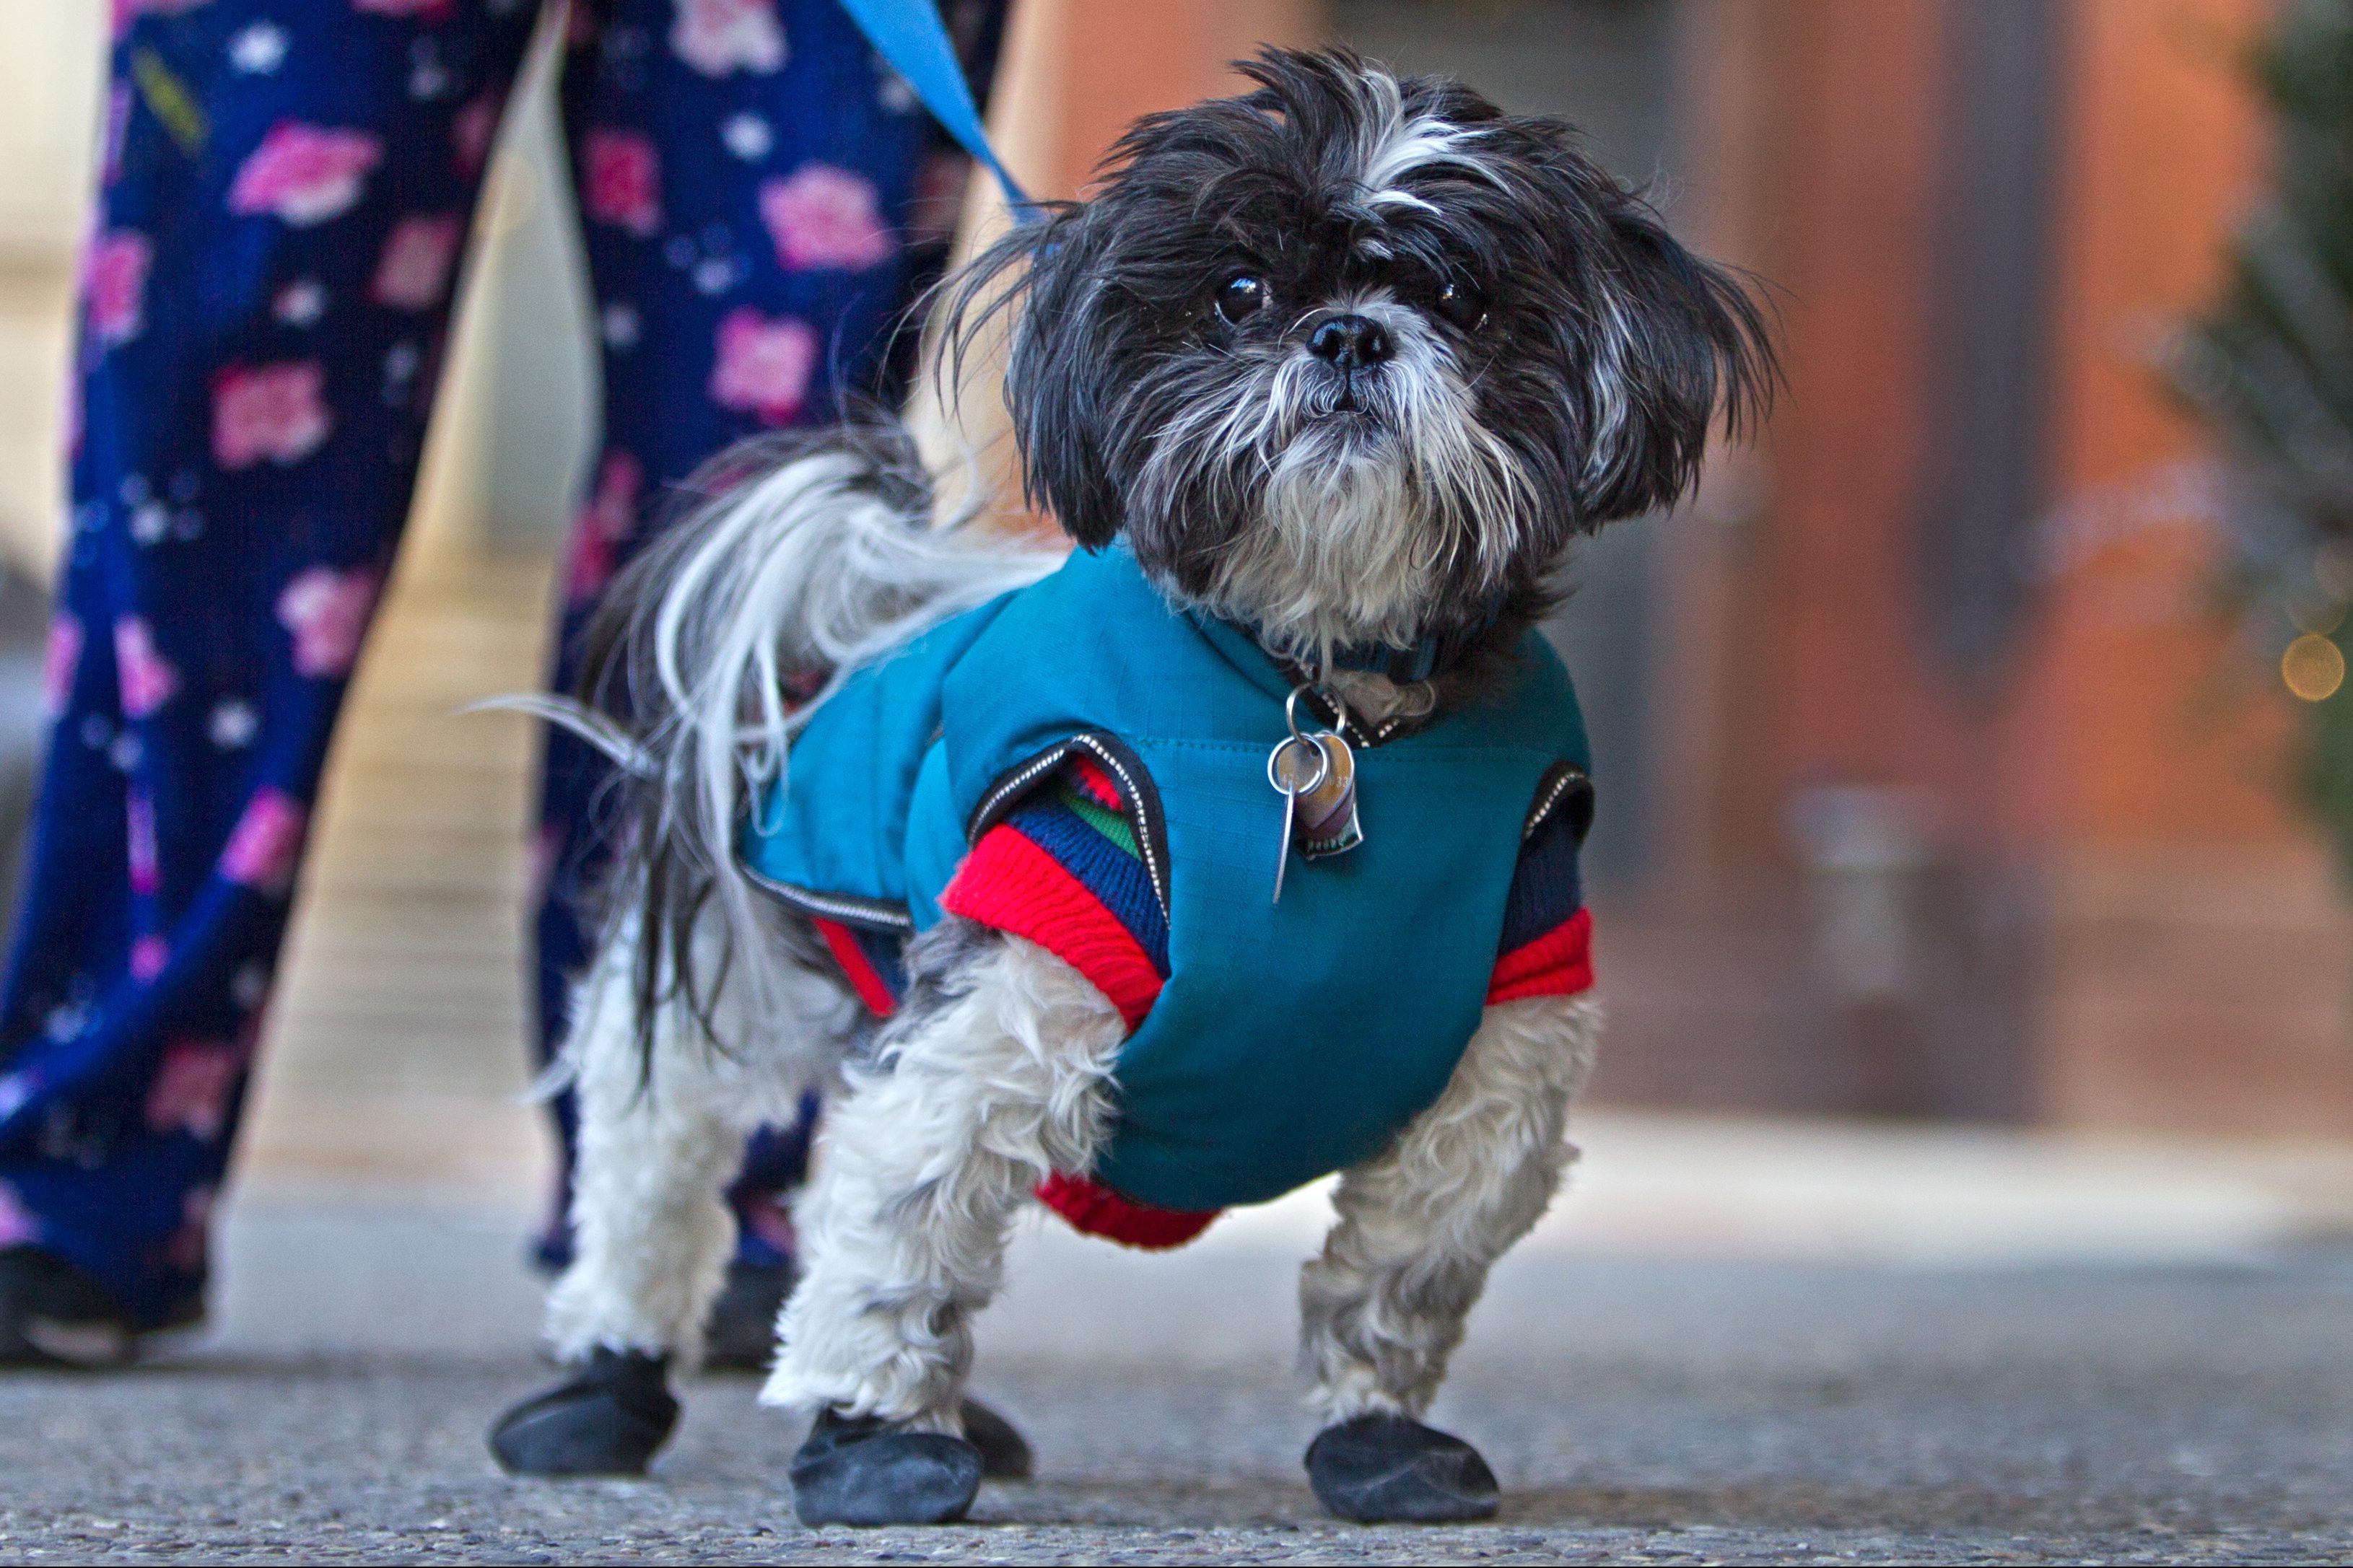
[762,200]
[286,190]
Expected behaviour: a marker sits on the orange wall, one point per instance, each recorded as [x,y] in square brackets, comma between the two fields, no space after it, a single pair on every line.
[1114,60]
[2188,946]
[2159,735]
[1849,257]
[2125,720]
[1833,681]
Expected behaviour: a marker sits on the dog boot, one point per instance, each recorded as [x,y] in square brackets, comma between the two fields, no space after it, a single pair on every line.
[1003,1452]
[607,1420]
[740,1335]
[865,1471]
[1378,1468]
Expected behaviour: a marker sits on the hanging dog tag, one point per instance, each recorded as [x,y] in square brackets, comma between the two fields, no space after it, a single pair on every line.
[1297,766]
[1327,821]
[1315,773]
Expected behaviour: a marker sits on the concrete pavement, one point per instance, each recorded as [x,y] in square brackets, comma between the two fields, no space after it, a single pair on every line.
[1851,1407]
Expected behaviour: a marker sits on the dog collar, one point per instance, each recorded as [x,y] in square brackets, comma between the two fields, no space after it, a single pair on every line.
[1430,656]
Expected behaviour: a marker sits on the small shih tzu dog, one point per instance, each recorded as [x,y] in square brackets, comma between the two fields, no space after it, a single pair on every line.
[1234,850]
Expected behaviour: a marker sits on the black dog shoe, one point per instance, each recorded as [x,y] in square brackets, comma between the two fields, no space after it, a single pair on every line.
[740,1334]
[1379,1469]
[865,1471]
[1003,1452]
[606,1421]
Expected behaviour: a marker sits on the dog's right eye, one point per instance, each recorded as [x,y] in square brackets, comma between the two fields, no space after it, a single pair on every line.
[1241,297]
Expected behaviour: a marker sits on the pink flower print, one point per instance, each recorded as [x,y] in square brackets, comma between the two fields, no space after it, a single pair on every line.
[824,216]
[147,679]
[114,286]
[327,611]
[591,566]
[266,841]
[304,174]
[764,365]
[61,663]
[149,954]
[605,521]
[767,1217]
[624,183]
[474,127]
[431,10]
[17,1224]
[192,1087]
[716,37]
[140,814]
[414,272]
[273,410]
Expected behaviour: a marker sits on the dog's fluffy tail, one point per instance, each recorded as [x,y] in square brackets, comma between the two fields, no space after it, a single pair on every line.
[817,553]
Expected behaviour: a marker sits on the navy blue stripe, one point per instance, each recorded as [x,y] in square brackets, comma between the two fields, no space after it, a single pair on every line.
[1106,870]
[884,950]
[1546,886]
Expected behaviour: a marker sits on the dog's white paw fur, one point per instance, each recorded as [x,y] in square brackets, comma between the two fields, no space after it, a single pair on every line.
[921,1168]
[1419,1226]
[661,1133]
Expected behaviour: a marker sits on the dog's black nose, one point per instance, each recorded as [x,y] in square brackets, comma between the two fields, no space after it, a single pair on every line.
[1351,342]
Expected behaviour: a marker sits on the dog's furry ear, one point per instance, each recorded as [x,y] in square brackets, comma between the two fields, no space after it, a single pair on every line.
[1048,279]
[1675,338]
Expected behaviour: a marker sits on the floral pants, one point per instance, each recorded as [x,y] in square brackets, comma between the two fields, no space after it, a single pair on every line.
[288,188]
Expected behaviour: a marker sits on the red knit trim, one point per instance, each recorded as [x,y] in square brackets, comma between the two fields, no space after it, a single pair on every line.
[856,967]
[1010,884]
[1557,963]
[1096,784]
[1098,1211]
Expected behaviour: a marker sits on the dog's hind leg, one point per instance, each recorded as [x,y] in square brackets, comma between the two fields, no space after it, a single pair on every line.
[1420,1226]
[994,1075]
[660,1135]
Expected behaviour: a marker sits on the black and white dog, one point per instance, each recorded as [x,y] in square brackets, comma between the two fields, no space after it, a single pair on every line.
[1348,363]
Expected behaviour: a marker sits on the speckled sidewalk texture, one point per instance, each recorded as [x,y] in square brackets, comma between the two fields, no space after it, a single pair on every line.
[1637,1410]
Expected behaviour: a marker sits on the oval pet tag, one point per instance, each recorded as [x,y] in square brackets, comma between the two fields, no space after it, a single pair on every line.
[1327,822]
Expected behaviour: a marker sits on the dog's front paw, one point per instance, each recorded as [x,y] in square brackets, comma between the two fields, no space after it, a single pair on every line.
[863,1470]
[1378,1468]
[607,1420]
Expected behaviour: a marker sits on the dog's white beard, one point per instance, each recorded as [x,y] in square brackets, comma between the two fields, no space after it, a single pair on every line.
[1358,530]
[1342,553]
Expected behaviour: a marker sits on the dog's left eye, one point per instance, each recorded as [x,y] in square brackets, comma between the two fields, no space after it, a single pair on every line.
[1240,298]
[1463,304]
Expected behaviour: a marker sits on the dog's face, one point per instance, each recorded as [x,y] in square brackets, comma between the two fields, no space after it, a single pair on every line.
[1352,359]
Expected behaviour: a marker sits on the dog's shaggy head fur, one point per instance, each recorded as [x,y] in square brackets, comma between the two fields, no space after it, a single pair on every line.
[1352,359]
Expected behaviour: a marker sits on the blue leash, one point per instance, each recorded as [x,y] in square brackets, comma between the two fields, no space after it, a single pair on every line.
[910,34]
